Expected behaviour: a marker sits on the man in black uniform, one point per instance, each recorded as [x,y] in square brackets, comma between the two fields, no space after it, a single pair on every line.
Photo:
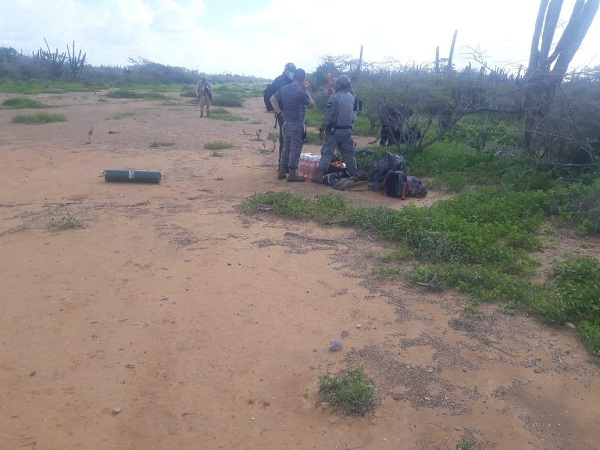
[285,78]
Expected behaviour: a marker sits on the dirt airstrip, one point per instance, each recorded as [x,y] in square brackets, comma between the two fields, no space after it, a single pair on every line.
[169,319]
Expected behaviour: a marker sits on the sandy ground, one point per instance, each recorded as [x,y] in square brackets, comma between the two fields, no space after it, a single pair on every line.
[169,319]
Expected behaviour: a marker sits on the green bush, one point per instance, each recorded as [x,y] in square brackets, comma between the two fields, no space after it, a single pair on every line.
[22,103]
[218,145]
[323,208]
[590,335]
[38,118]
[573,293]
[350,391]
[126,93]
[228,99]
[122,115]
[576,203]
[157,144]
[64,223]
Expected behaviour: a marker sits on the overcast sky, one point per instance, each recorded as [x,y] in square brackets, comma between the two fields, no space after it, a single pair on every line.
[257,37]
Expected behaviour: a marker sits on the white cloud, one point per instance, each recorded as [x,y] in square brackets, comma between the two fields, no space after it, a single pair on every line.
[212,37]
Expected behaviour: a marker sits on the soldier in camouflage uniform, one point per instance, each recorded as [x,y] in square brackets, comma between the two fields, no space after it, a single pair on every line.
[293,98]
[336,129]
[204,94]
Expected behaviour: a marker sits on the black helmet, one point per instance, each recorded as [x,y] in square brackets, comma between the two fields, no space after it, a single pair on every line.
[290,67]
[342,83]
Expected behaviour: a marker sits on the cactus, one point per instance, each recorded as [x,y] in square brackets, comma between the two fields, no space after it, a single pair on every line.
[76,63]
[55,61]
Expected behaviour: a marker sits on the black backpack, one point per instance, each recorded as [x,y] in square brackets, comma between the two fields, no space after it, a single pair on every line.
[379,170]
[400,185]
[278,82]
[267,93]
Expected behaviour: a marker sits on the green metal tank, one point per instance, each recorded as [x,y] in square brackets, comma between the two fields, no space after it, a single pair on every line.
[132,176]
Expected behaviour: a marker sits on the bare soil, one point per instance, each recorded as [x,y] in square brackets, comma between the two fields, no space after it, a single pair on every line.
[169,319]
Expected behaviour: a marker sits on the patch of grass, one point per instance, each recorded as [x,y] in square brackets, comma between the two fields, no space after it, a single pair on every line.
[465,443]
[479,242]
[127,93]
[38,118]
[219,110]
[473,310]
[349,392]
[218,145]
[122,115]
[395,253]
[313,138]
[157,144]
[23,103]
[313,117]
[573,293]
[323,208]
[590,335]
[576,203]
[387,271]
[228,117]
[220,113]
[64,223]
[44,86]
[217,154]
[230,99]
[362,126]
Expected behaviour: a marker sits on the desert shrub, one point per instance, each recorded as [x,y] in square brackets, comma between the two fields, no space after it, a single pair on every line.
[576,203]
[350,391]
[573,293]
[64,223]
[122,115]
[590,335]
[218,145]
[22,103]
[157,144]
[228,99]
[38,118]
[323,208]
[126,93]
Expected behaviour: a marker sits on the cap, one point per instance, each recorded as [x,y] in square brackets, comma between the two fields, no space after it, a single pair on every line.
[291,67]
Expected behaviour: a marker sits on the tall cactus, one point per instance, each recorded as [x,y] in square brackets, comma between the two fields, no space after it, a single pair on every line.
[76,63]
[54,61]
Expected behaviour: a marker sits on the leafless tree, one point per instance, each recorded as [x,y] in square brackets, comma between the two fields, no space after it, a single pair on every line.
[546,70]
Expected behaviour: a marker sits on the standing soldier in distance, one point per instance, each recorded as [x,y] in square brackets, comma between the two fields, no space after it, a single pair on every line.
[336,129]
[293,98]
[204,94]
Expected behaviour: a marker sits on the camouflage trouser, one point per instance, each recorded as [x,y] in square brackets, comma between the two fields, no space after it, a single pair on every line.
[292,145]
[204,101]
[343,140]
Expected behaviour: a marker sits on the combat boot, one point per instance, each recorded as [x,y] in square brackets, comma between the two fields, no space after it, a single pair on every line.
[318,178]
[201,113]
[282,173]
[207,113]
[294,177]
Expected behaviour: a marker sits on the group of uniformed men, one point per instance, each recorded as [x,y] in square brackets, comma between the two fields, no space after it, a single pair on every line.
[288,96]
[289,102]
